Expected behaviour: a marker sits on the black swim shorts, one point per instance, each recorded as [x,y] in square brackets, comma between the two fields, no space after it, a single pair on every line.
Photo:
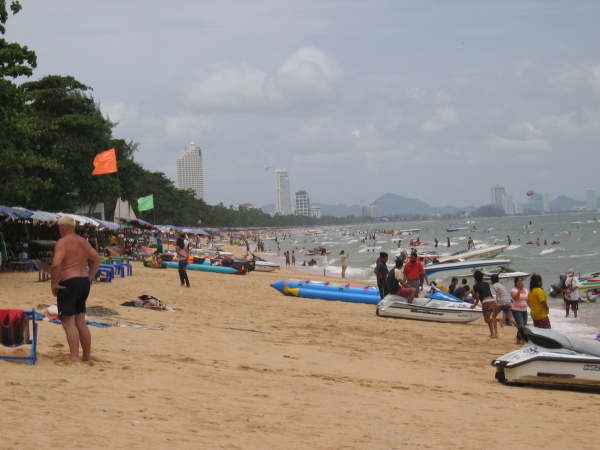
[71,299]
[574,304]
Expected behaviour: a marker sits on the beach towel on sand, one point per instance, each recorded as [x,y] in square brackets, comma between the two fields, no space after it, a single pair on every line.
[149,301]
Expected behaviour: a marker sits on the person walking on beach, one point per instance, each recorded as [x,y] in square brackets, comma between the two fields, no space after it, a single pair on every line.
[324,261]
[182,258]
[482,293]
[538,302]
[571,293]
[504,301]
[396,284]
[293,258]
[413,271]
[381,272]
[71,285]
[470,244]
[448,241]
[344,261]
[519,296]
[287,257]
[509,241]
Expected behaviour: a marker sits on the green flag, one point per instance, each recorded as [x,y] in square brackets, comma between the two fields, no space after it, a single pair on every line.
[146,203]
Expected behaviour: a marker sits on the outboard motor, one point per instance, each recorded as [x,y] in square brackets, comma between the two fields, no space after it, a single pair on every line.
[557,288]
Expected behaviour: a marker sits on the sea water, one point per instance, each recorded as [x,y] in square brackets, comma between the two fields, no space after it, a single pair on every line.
[576,245]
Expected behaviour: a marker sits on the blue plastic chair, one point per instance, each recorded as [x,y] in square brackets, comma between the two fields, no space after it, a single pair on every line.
[16,332]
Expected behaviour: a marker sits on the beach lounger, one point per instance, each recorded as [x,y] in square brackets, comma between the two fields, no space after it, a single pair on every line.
[15,331]
[44,270]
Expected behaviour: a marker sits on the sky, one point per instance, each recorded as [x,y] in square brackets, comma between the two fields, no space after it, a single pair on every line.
[433,100]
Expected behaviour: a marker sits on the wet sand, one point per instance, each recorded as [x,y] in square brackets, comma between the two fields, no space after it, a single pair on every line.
[240,365]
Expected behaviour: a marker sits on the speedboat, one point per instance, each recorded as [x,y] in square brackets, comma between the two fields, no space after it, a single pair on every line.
[262,265]
[451,229]
[465,268]
[551,358]
[463,255]
[505,272]
[436,306]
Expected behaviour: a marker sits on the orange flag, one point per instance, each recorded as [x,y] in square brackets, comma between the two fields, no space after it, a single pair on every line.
[105,162]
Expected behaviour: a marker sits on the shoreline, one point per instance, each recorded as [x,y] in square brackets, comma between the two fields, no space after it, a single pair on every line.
[240,365]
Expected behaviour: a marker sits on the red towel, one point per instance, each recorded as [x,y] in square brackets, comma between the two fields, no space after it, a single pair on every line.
[10,316]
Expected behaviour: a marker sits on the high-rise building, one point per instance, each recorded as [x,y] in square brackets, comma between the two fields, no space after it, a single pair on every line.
[498,194]
[190,171]
[508,204]
[282,192]
[591,203]
[315,211]
[369,211]
[302,204]
[545,202]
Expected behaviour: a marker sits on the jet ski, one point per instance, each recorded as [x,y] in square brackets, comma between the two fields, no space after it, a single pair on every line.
[505,272]
[551,358]
[436,306]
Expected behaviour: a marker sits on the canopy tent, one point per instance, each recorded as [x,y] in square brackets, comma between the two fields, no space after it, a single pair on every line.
[123,210]
[200,231]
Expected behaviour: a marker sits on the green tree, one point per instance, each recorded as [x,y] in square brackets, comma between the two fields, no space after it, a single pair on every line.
[20,163]
[70,130]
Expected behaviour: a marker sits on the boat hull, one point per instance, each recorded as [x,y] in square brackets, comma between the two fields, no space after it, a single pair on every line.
[428,309]
[464,268]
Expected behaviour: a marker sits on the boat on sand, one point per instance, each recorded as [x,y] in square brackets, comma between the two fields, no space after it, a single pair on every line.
[438,306]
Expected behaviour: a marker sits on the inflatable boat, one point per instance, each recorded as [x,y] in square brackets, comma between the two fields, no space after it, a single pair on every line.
[551,358]
[328,291]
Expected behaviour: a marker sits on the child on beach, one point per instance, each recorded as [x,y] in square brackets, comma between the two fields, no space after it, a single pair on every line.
[504,302]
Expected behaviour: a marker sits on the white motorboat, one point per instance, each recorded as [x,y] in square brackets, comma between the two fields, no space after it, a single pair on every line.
[436,306]
[505,273]
[262,265]
[551,358]
[464,268]
[463,255]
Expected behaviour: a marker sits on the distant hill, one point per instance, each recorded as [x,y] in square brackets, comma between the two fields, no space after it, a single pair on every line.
[393,204]
[387,205]
[563,203]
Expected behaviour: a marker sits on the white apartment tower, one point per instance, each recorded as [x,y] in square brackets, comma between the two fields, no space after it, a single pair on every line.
[590,200]
[190,171]
[498,194]
[369,211]
[282,192]
[302,204]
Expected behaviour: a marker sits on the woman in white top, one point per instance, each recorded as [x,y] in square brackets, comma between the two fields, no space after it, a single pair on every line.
[324,261]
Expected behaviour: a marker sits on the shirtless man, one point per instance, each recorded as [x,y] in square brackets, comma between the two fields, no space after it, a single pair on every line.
[71,285]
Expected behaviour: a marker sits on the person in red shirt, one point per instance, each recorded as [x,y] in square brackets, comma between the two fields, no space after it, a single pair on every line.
[412,272]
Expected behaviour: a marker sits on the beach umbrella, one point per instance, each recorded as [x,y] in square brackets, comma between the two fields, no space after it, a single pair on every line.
[137,223]
[110,225]
[18,212]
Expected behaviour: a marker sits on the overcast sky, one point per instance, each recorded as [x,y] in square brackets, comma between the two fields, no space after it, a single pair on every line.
[434,100]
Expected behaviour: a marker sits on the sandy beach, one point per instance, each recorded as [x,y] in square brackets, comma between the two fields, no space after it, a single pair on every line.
[239,365]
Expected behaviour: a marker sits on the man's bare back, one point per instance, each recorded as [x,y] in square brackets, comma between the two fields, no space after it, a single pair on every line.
[71,256]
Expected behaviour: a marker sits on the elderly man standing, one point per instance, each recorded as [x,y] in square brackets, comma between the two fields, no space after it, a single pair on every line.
[71,285]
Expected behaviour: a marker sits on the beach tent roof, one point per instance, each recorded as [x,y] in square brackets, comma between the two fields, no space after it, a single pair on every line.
[196,231]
